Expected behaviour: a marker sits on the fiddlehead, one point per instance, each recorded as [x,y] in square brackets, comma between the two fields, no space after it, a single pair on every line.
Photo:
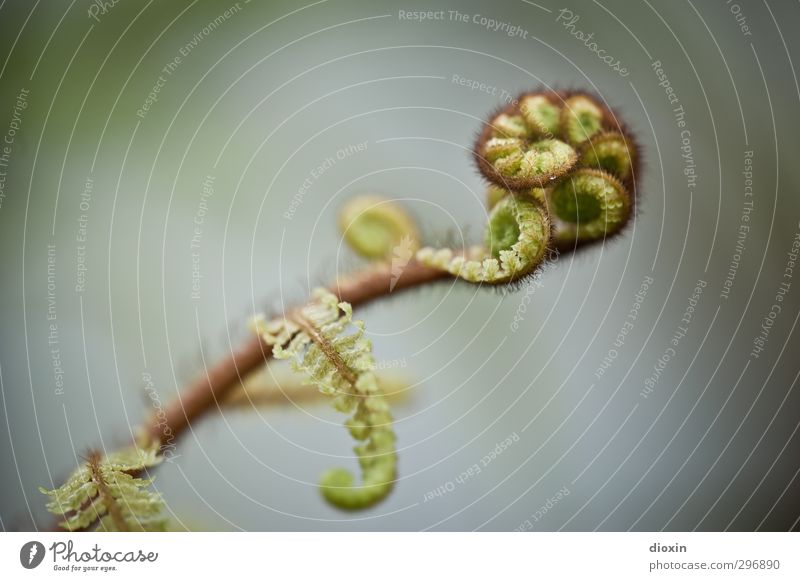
[105,490]
[315,340]
[541,114]
[611,152]
[552,159]
[591,194]
[512,155]
[581,118]
[590,204]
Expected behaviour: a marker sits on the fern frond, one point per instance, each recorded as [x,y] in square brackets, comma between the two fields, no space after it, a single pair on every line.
[104,490]
[318,343]
[555,161]
[581,118]
[590,204]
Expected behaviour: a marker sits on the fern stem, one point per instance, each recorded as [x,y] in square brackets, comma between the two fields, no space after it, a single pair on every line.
[107,498]
[330,353]
[205,394]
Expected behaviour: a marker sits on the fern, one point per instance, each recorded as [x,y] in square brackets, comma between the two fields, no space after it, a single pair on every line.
[562,173]
[105,491]
[315,340]
[546,135]
[554,161]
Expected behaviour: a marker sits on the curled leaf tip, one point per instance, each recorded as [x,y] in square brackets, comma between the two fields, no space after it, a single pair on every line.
[545,143]
[540,113]
[513,126]
[561,171]
[590,204]
[610,151]
[517,163]
[581,118]
[319,341]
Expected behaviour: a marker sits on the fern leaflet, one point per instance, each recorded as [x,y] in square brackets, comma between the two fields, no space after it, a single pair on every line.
[105,490]
[315,340]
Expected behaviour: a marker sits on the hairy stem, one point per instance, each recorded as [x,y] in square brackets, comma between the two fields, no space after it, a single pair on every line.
[330,353]
[205,393]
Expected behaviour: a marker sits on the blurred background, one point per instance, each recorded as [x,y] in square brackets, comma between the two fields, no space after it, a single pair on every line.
[170,169]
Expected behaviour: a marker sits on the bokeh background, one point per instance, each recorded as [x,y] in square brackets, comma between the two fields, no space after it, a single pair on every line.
[98,211]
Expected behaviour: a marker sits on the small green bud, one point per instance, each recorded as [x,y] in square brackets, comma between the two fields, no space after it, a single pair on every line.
[374,226]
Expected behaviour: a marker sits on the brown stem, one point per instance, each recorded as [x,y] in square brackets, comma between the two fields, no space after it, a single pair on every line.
[205,393]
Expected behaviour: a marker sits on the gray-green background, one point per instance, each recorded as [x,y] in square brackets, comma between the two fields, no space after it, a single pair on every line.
[270,93]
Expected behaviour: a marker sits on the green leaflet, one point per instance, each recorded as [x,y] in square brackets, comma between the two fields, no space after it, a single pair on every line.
[316,342]
[104,491]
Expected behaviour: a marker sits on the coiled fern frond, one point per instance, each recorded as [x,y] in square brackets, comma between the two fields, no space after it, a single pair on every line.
[317,341]
[106,491]
[590,204]
[561,172]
